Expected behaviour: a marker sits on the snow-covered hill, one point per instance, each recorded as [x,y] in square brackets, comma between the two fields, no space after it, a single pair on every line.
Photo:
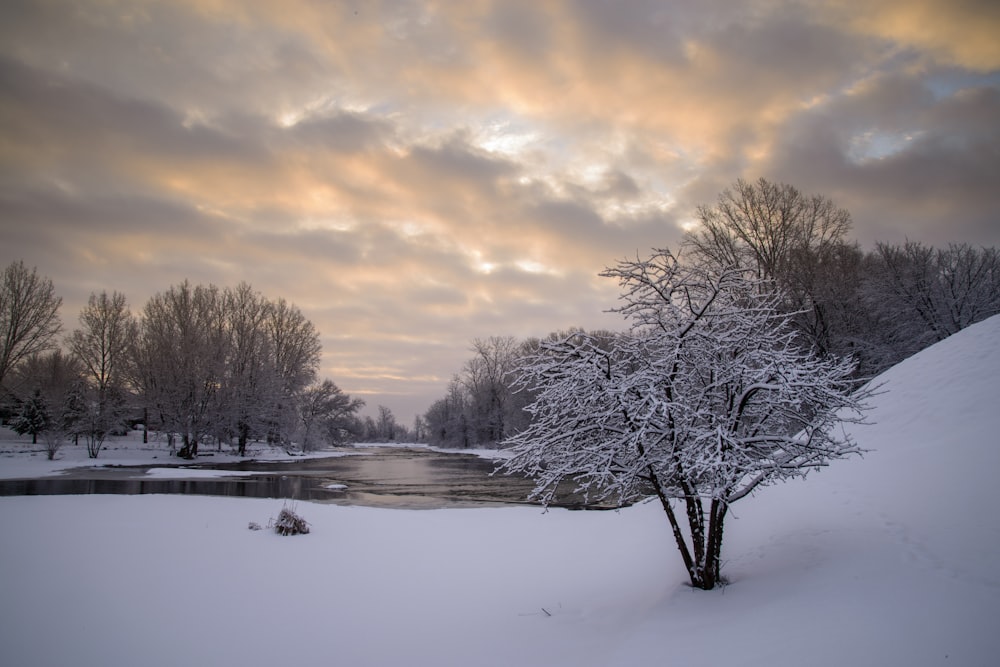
[886,560]
[893,559]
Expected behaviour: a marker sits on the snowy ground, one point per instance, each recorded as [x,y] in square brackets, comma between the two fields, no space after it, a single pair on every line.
[19,459]
[886,560]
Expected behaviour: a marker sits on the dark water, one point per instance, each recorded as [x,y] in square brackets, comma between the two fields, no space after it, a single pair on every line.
[382,477]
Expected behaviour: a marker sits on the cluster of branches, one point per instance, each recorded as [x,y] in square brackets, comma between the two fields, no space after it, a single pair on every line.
[198,363]
[708,396]
[880,306]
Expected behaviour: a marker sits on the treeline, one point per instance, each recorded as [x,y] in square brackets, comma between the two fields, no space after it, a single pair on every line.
[877,306]
[199,363]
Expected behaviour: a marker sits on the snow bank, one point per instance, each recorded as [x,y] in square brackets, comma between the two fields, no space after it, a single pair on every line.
[876,561]
[19,459]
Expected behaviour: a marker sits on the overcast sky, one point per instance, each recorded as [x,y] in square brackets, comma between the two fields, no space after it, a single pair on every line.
[414,175]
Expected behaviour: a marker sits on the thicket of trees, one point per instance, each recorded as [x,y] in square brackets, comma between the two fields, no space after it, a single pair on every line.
[877,306]
[198,363]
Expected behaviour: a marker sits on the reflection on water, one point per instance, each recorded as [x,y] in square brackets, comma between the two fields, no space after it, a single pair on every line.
[264,487]
[384,477]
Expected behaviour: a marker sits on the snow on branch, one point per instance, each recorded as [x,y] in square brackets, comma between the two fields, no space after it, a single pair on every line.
[707,397]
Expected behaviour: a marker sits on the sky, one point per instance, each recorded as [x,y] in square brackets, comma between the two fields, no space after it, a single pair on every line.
[416,175]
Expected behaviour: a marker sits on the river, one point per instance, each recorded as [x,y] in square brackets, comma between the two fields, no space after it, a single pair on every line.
[394,477]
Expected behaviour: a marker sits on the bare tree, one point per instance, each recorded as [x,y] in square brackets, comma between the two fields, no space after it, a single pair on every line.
[447,420]
[327,413]
[923,294]
[760,225]
[51,372]
[488,377]
[179,360]
[29,316]
[101,346]
[707,398]
[385,425]
[250,384]
[295,348]
[795,240]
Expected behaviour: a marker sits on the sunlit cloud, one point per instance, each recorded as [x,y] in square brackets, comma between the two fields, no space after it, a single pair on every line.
[417,174]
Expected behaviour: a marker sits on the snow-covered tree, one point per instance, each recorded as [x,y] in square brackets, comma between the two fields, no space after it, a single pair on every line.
[250,382]
[295,348]
[487,377]
[179,361]
[55,375]
[706,398]
[101,345]
[326,414]
[33,417]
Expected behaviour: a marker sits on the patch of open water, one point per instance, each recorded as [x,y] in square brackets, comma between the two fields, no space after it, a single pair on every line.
[384,477]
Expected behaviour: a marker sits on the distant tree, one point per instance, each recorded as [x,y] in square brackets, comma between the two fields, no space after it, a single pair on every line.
[295,349]
[33,418]
[73,417]
[250,385]
[707,398]
[447,419]
[370,429]
[101,345]
[797,241]
[419,429]
[385,425]
[923,295]
[760,226]
[59,379]
[29,316]
[52,372]
[179,361]
[327,415]
[487,378]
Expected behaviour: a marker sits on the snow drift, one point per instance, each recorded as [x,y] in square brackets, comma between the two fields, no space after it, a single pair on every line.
[889,559]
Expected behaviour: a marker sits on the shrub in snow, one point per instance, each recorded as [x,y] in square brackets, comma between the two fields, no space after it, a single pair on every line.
[290,523]
[254,525]
[53,442]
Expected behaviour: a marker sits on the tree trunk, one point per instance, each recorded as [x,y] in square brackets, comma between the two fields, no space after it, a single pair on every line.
[189,449]
[243,440]
[713,547]
[703,558]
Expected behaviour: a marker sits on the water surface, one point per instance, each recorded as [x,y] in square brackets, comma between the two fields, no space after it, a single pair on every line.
[395,477]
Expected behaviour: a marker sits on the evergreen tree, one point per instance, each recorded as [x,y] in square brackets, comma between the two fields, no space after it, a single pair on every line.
[34,417]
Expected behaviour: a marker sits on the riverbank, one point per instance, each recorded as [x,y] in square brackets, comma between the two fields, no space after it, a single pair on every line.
[20,459]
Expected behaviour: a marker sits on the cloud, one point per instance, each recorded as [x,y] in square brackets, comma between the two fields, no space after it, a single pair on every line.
[960,33]
[416,174]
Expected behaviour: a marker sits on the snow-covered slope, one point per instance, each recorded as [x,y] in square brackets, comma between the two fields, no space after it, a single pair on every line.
[886,560]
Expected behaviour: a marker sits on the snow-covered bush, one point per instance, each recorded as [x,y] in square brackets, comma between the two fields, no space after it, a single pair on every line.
[289,523]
